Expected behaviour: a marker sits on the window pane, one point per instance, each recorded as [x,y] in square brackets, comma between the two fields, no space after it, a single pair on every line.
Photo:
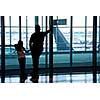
[23,31]
[78,20]
[90,21]
[0,35]
[14,20]
[6,20]
[14,35]
[89,39]
[40,20]
[23,21]
[31,21]
[30,31]
[78,39]
[7,36]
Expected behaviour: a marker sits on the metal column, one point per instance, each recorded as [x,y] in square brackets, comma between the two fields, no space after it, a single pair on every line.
[26,33]
[2,49]
[36,20]
[99,36]
[51,50]
[19,27]
[46,49]
[71,37]
[10,30]
[85,32]
[94,49]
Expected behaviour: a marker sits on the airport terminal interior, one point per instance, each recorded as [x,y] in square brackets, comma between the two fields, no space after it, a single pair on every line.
[71,51]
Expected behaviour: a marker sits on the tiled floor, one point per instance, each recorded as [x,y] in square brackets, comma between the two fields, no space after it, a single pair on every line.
[77,78]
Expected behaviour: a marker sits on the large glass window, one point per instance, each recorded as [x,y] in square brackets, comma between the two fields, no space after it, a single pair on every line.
[82,38]
[14,35]
[7,21]
[14,20]
[7,36]
[31,21]
[78,21]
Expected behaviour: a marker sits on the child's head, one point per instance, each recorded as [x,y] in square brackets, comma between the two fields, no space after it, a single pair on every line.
[16,47]
[20,43]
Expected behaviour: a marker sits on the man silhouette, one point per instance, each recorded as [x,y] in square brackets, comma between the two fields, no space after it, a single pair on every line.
[36,47]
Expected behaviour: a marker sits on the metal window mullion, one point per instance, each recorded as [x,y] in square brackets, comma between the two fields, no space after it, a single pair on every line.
[57,30]
[94,49]
[51,50]
[42,23]
[10,28]
[46,49]
[19,27]
[26,33]
[85,32]
[71,38]
[99,35]
[36,20]
[2,49]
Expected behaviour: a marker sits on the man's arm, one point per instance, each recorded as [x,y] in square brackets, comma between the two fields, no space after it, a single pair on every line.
[31,41]
[48,31]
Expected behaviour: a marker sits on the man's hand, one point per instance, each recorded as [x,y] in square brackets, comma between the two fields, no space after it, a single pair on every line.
[48,30]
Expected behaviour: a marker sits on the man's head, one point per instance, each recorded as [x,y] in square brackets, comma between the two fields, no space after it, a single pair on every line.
[37,28]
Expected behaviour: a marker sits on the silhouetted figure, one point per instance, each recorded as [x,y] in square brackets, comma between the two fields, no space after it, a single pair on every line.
[36,47]
[22,60]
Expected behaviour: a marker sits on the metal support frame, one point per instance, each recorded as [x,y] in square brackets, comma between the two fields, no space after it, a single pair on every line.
[2,49]
[71,37]
[51,50]
[10,30]
[19,27]
[36,20]
[94,49]
[99,36]
[46,48]
[26,33]
[85,32]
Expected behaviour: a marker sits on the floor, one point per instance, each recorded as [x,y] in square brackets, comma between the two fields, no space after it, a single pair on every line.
[76,78]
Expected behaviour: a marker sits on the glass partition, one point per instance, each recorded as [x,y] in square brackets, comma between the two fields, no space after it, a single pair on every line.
[82,40]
